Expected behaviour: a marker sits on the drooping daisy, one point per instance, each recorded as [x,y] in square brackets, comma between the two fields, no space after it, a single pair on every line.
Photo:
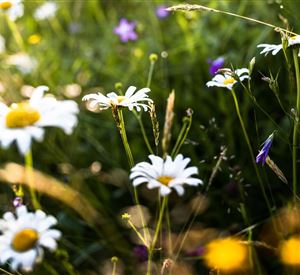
[274,49]
[229,78]
[12,8]
[24,236]
[46,11]
[24,121]
[131,99]
[165,174]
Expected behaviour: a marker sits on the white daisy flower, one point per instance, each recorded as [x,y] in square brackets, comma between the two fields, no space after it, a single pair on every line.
[130,99]
[46,11]
[24,236]
[23,62]
[228,78]
[13,8]
[165,174]
[24,121]
[274,49]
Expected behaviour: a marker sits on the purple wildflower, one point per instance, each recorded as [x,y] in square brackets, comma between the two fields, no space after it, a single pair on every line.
[141,253]
[215,65]
[125,30]
[263,153]
[161,11]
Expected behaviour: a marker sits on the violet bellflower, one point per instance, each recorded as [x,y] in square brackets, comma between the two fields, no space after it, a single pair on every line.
[125,30]
[263,153]
[215,65]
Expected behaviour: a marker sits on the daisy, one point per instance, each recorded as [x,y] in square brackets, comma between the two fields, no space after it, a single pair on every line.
[23,62]
[228,78]
[274,49]
[24,121]
[24,236]
[112,100]
[13,8]
[165,174]
[45,11]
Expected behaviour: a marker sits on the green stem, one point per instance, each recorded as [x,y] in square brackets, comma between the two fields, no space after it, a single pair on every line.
[250,149]
[29,177]
[16,33]
[187,122]
[158,227]
[122,130]
[296,123]
[139,118]
[150,74]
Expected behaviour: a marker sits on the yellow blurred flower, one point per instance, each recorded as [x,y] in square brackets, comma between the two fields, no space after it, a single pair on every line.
[226,255]
[34,39]
[289,251]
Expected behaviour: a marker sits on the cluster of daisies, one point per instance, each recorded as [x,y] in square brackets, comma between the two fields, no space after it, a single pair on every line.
[24,235]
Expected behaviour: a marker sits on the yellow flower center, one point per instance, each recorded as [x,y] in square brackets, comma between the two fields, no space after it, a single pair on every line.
[289,251]
[34,39]
[226,254]
[164,180]
[21,115]
[120,98]
[25,240]
[294,37]
[5,5]
[229,80]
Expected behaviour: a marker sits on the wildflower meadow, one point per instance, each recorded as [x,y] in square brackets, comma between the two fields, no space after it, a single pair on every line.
[150,137]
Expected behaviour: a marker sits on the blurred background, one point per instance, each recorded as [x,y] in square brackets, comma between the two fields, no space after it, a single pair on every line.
[74,48]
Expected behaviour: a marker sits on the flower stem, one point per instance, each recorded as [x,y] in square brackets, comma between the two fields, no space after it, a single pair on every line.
[158,227]
[121,127]
[250,149]
[296,124]
[29,177]
[16,33]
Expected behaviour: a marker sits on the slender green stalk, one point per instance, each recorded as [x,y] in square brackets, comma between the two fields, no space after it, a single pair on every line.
[157,230]
[6,272]
[204,8]
[29,176]
[187,122]
[296,124]
[153,58]
[250,149]
[139,119]
[121,127]
[16,33]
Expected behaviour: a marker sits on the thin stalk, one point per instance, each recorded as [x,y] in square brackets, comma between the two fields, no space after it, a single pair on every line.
[187,122]
[150,74]
[121,126]
[296,124]
[250,149]
[139,119]
[157,230]
[29,177]
[16,33]
[204,8]
[123,134]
